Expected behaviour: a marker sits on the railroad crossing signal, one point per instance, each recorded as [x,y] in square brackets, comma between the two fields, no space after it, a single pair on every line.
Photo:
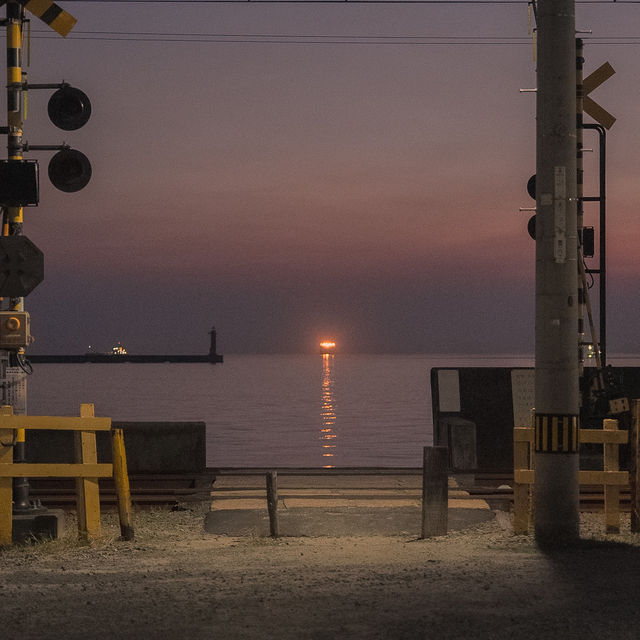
[51,14]
[68,108]
[21,262]
[592,108]
[591,82]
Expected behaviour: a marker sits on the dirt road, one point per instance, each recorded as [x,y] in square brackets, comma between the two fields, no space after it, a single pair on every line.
[177,582]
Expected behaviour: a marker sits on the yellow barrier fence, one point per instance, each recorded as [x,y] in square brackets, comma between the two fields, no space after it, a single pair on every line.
[86,468]
[611,477]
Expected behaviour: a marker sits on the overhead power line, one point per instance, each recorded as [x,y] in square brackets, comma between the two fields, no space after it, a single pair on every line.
[310,39]
[148,36]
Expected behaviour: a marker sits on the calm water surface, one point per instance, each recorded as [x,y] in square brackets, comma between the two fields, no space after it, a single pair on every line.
[338,410]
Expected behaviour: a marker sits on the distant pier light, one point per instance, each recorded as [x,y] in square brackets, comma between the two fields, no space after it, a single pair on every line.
[328,346]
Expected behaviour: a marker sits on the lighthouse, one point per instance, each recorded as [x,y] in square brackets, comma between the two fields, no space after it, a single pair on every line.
[214,356]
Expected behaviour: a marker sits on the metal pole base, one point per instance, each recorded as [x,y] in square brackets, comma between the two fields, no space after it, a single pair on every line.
[28,507]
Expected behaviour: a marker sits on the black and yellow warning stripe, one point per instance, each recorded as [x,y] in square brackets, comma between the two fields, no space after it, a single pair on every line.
[14,65]
[50,13]
[556,433]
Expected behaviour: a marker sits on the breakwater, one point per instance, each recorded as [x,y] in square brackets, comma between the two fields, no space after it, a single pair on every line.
[107,358]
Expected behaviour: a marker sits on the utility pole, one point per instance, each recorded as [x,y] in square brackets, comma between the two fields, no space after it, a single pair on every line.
[556,489]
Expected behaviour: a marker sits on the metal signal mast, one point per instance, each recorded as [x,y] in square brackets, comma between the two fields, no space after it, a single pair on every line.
[69,170]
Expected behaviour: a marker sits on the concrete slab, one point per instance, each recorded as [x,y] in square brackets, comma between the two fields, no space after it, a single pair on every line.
[340,503]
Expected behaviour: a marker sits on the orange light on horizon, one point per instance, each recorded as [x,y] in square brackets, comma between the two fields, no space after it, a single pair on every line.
[328,344]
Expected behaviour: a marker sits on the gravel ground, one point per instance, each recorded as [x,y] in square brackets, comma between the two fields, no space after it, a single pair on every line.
[175,581]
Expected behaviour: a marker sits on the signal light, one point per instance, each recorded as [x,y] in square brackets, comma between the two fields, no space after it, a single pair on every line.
[69,108]
[531,186]
[69,170]
[531,190]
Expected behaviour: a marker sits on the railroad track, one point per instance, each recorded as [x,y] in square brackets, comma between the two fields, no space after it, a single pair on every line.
[349,486]
[147,490]
[234,488]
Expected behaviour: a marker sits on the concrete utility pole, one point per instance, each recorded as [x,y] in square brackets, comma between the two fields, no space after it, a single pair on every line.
[556,490]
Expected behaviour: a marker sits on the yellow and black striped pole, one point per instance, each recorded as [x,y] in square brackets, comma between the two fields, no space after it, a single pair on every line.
[15,16]
[13,216]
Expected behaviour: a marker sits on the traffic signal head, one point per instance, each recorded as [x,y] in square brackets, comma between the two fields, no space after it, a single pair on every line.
[69,170]
[531,227]
[69,108]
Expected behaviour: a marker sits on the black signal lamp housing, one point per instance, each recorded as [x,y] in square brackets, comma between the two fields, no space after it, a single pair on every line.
[69,108]
[531,186]
[69,170]
[531,227]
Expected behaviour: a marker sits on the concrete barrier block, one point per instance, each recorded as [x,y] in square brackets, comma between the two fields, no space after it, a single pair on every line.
[151,447]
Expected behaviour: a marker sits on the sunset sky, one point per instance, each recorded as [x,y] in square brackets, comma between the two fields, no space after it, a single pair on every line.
[292,172]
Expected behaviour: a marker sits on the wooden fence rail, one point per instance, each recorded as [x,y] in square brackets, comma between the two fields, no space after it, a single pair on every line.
[86,469]
[610,477]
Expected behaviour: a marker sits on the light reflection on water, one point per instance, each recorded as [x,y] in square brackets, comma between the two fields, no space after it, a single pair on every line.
[328,412]
[270,410]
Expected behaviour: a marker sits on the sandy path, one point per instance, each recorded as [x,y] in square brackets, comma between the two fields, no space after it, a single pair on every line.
[175,581]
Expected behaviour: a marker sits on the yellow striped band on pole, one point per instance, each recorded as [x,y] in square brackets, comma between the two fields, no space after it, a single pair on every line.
[556,433]
[50,13]
[14,66]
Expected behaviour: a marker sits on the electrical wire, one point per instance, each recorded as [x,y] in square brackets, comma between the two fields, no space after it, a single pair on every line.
[280,35]
[333,39]
[24,363]
[592,280]
[287,40]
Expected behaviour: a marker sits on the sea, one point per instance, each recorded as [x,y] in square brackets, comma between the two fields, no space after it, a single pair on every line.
[331,410]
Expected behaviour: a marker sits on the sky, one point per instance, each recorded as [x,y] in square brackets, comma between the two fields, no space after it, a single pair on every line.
[294,172]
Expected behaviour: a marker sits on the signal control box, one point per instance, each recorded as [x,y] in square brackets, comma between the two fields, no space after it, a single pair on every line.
[15,329]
